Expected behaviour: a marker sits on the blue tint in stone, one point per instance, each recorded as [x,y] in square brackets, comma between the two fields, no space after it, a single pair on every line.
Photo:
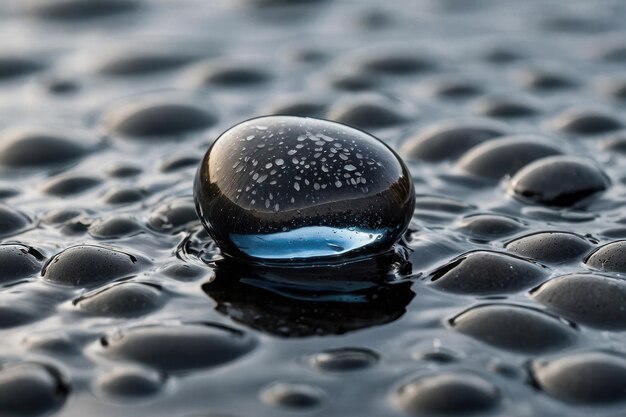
[282,188]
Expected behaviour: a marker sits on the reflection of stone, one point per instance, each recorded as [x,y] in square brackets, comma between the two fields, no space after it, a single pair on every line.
[311,301]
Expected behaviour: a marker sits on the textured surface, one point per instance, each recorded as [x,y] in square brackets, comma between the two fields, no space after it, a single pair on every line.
[106,108]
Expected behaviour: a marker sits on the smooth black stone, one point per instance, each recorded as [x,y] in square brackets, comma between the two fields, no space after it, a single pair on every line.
[587,122]
[436,356]
[180,348]
[176,163]
[62,86]
[31,389]
[292,395]
[344,360]
[550,247]
[130,383]
[123,196]
[8,193]
[67,185]
[12,221]
[309,178]
[14,316]
[156,120]
[488,226]
[616,143]
[184,272]
[309,55]
[591,378]
[63,345]
[614,233]
[505,108]
[593,300]
[546,80]
[454,89]
[234,75]
[55,217]
[89,265]
[29,148]
[397,64]
[503,56]
[448,140]
[487,273]
[18,262]
[13,66]
[354,82]
[610,257]
[447,393]
[128,299]
[114,227]
[560,181]
[75,227]
[124,171]
[519,329]
[369,112]
[173,217]
[141,64]
[76,10]
[504,157]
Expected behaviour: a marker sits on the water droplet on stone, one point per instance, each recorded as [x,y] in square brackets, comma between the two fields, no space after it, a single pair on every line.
[360,211]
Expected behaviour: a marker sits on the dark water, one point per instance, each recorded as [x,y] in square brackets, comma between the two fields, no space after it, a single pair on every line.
[505,297]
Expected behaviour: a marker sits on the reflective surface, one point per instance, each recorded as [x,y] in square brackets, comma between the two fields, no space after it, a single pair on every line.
[287,188]
[505,301]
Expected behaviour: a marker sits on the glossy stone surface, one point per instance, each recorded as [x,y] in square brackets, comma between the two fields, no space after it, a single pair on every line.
[560,181]
[515,328]
[31,389]
[288,188]
[88,265]
[180,348]
[591,378]
[486,273]
[447,393]
[589,299]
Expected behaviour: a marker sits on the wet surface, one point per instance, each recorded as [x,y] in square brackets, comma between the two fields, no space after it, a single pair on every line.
[504,297]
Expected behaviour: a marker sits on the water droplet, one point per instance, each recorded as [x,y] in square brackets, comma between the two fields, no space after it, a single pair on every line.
[310,210]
